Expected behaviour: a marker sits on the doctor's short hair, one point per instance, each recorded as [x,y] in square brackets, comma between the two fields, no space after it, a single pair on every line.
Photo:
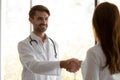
[38,8]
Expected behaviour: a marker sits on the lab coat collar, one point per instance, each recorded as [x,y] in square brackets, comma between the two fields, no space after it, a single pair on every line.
[34,36]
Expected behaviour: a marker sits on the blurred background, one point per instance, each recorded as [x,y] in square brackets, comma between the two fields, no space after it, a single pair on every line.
[70,26]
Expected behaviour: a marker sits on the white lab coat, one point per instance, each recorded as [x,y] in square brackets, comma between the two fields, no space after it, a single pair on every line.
[92,65]
[38,60]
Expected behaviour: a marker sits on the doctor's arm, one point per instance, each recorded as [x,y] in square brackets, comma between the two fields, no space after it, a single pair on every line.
[29,61]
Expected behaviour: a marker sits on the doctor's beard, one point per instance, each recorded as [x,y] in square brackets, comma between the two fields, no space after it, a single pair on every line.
[42,28]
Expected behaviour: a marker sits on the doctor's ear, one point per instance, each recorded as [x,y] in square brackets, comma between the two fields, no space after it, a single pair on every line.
[31,20]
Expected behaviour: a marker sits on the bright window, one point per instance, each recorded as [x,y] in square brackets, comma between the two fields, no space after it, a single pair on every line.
[15,27]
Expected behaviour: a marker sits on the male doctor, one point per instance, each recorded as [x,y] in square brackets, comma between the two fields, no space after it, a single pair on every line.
[39,54]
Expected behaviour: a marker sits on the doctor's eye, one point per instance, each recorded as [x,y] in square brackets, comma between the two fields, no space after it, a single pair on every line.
[40,18]
[46,18]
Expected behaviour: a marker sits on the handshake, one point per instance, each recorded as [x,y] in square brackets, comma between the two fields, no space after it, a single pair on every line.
[71,65]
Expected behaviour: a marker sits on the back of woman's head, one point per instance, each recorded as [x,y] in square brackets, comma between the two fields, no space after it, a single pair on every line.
[105,20]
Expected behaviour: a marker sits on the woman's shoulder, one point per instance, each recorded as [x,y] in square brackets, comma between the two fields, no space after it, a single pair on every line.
[96,52]
[95,49]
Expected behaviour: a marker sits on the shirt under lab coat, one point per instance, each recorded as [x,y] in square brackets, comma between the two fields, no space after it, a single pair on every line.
[92,66]
[38,60]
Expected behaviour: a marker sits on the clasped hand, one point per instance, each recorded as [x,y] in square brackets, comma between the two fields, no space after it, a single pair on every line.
[71,65]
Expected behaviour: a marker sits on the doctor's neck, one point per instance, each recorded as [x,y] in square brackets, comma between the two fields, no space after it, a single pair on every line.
[41,35]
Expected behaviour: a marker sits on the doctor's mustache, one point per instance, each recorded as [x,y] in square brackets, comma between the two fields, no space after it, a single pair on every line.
[43,24]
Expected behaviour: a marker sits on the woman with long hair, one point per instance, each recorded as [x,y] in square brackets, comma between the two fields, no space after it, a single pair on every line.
[103,60]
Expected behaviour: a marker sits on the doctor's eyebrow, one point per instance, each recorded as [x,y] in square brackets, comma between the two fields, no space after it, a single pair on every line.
[42,18]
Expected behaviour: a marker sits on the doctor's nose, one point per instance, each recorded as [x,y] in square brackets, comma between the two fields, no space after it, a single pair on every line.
[44,21]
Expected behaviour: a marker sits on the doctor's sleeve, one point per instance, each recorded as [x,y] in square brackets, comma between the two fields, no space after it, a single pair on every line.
[39,67]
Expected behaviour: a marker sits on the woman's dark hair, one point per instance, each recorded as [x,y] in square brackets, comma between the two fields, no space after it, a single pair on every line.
[106,22]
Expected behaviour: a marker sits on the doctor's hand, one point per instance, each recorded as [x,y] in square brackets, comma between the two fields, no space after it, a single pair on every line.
[71,65]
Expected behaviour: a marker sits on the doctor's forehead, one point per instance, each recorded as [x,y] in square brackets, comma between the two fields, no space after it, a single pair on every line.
[41,14]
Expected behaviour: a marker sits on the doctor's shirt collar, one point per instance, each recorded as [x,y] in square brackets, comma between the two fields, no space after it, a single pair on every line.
[34,36]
